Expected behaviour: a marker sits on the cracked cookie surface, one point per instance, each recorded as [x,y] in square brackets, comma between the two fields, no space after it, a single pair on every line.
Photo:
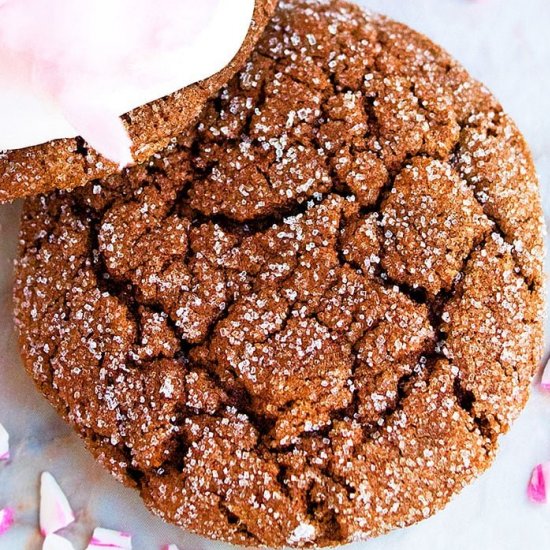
[308,321]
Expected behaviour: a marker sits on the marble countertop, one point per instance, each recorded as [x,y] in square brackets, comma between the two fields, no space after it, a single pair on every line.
[506,44]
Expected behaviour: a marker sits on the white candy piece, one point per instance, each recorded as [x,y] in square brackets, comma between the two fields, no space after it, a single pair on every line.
[4,444]
[171,547]
[107,538]
[55,542]
[55,510]
[545,380]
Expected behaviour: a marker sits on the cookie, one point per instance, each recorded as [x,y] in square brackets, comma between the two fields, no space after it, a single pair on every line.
[69,163]
[308,321]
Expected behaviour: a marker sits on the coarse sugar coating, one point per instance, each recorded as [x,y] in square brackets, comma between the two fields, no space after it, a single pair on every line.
[309,320]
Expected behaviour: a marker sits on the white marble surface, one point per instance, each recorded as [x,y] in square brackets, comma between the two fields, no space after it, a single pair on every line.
[505,43]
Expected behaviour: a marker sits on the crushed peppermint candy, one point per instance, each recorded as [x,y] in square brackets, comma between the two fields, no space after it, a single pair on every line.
[55,542]
[7,518]
[545,380]
[4,444]
[108,538]
[170,547]
[55,510]
[539,484]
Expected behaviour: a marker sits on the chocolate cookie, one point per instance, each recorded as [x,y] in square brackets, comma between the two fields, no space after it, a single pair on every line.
[309,321]
[69,163]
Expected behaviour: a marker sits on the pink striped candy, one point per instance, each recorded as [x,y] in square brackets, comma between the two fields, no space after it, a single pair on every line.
[55,510]
[539,484]
[107,538]
[4,444]
[7,518]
